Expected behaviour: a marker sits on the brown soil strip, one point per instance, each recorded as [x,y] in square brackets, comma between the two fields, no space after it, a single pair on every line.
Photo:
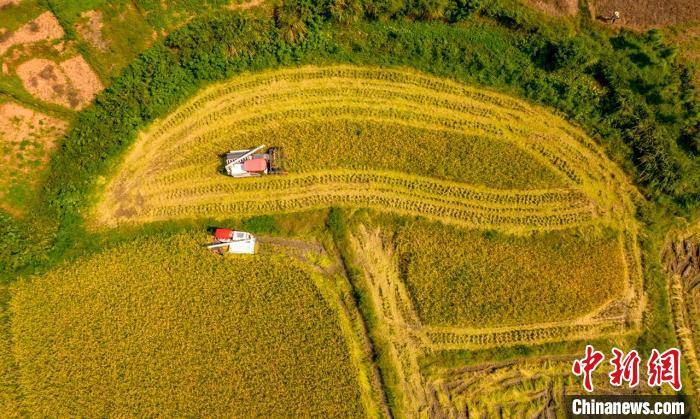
[43,28]
[8,3]
[556,7]
[645,14]
[245,6]
[18,123]
[84,80]
[71,83]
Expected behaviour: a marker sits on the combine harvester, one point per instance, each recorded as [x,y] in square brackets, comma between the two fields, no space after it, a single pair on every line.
[237,242]
[246,163]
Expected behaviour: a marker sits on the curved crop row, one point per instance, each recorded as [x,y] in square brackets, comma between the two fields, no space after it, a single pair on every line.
[178,184]
[458,203]
[340,195]
[466,156]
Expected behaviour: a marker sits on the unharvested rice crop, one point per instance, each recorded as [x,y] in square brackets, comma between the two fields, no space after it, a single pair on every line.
[9,406]
[473,279]
[364,136]
[476,316]
[197,334]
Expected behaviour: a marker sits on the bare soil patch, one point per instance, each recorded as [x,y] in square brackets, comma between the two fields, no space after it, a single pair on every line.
[645,14]
[246,5]
[556,7]
[71,83]
[26,139]
[91,29]
[18,123]
[45,27]
[8,3]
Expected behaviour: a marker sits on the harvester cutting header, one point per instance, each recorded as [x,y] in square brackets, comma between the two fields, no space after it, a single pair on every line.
[247,163]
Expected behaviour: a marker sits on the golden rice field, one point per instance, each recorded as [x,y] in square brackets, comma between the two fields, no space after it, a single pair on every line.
[195,333]
[363,136]
[9,397]
[420,317]
[526,233]
[488,280]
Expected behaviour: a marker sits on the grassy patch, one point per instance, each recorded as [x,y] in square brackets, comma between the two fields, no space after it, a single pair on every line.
[125,34]
[13,17]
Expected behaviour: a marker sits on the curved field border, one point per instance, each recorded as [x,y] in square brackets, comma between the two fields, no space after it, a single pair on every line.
[410,340]
[412,195]
[172,170]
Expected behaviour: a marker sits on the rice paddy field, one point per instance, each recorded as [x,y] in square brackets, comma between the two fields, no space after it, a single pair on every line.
[474,279]
[391,139]
[473,221]
[472,195]
[161,327]
[470,221]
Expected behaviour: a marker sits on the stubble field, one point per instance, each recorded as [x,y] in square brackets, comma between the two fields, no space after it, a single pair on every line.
[369,137]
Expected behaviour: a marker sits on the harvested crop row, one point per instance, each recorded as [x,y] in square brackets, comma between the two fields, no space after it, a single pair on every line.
[479,148]
[681,259]
[533,387]
[513,219]
[178,185]
[477,340]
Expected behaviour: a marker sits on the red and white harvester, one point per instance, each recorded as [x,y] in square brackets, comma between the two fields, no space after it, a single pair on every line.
[238,242]
[247,163]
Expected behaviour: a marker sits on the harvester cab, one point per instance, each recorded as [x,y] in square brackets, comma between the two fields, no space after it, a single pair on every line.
[247,163]
[237,242]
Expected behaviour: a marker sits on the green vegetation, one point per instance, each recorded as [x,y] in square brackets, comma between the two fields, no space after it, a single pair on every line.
[197,333]
[125,34]
[14,17]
